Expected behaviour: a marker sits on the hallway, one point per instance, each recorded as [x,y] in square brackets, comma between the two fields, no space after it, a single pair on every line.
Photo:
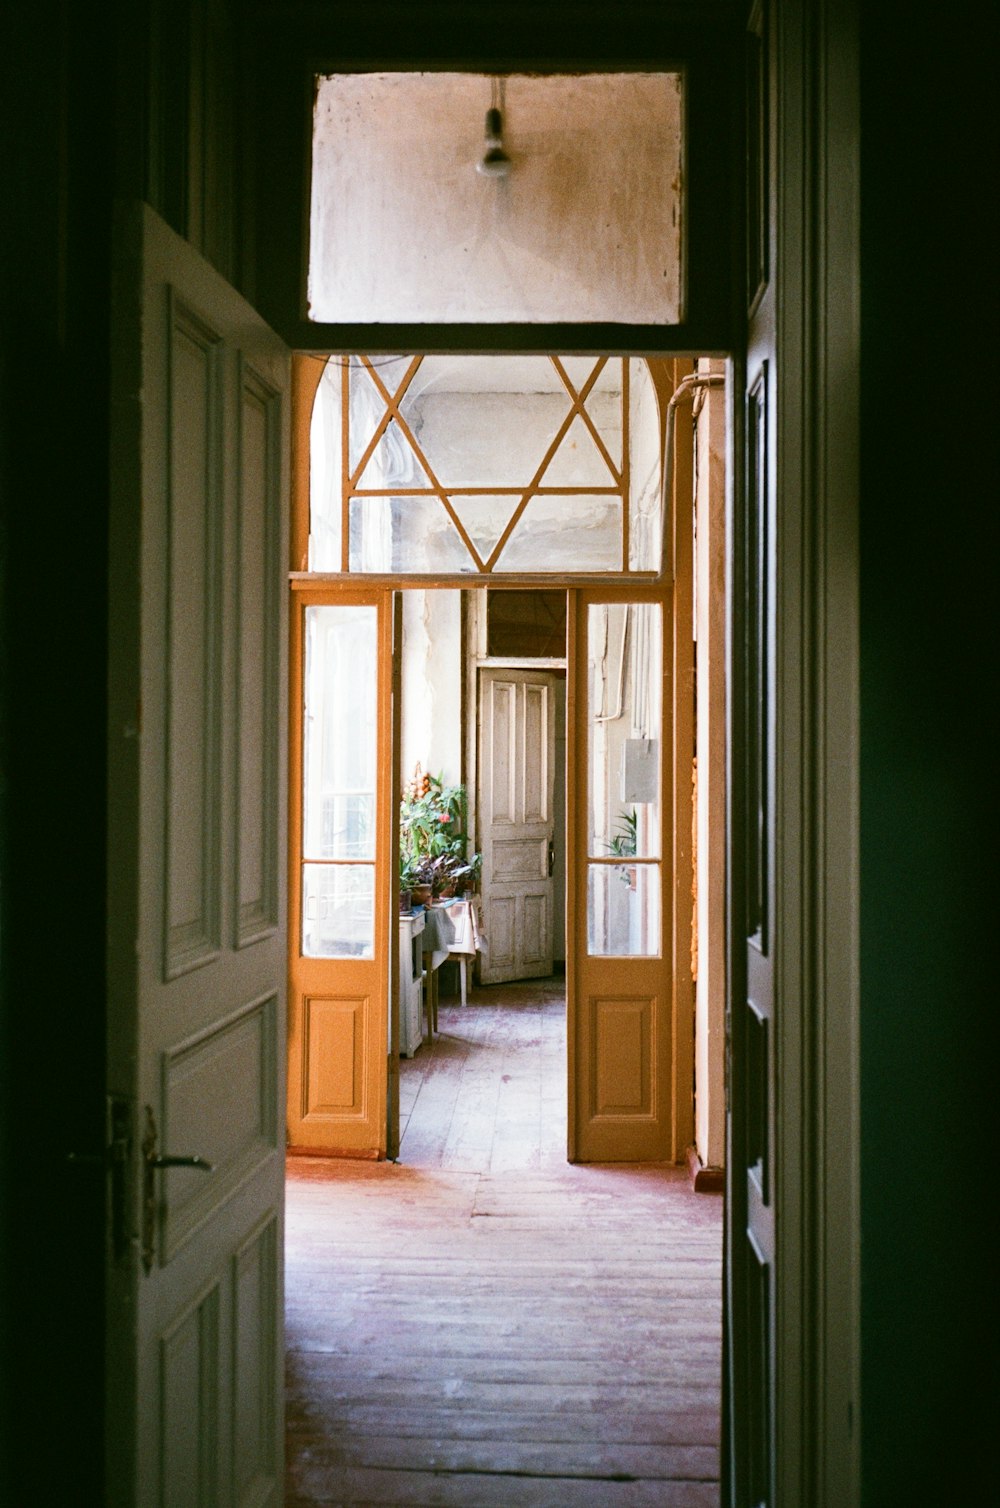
[484,1324]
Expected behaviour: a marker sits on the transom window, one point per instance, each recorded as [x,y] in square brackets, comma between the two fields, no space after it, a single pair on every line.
[480,465]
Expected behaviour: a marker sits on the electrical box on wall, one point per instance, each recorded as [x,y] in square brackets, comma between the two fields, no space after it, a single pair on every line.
[640,769]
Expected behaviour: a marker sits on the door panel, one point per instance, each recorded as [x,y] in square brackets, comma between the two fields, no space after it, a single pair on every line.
[196,936]
[751,1131]
[339,877]
[750,1253]
[516,783]
[619,959]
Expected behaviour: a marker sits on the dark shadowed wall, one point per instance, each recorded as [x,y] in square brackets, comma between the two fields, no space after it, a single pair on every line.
[929,486]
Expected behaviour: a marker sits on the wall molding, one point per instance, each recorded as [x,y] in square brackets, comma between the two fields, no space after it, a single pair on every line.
[817,1333]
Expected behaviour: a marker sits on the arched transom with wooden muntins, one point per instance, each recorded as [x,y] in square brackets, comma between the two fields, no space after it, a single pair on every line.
[484,465]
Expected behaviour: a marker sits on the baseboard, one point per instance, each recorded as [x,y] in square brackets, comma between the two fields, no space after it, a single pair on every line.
[704,1180]
[350,1154]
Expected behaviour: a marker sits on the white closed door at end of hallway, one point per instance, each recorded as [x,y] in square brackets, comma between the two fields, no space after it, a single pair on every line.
[517,763]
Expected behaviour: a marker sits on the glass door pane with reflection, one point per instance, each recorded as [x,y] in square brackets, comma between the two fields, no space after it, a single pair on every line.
[339,777]
[624,753]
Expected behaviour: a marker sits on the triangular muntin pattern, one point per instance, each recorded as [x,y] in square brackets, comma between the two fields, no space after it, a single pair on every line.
[388,405]
[484,517]
[398,452]
[570,377]
[578,462]
[577,400]
[393,466]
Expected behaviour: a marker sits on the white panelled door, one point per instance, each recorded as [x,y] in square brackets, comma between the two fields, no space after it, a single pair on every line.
[197,902]
[517,765]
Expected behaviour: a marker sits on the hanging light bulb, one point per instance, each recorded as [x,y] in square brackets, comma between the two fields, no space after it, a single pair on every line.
[494,162]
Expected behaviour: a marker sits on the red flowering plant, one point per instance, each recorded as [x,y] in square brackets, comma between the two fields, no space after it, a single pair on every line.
[433,842]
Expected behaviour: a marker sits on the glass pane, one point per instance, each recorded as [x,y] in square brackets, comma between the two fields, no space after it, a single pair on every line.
[578,461]
[623,910]
[624,715]
[404,228]
[485,518]
[558,533]
[338,911]
[605,409]
[526,623]
[339,730]
[645,543]
[393,463]
[324,472]
[405,535]
[485,421]
[367,406]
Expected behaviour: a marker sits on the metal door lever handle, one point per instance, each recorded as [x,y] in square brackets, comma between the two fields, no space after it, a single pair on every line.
[152,1160]
[179,1162]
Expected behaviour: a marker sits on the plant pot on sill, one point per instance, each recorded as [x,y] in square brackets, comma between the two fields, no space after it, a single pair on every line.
[420,895]
[405,900]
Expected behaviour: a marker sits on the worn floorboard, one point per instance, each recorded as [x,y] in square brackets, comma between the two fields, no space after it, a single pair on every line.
[483,1324]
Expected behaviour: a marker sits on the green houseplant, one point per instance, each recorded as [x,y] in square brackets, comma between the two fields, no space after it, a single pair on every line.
[624,845]
[433,842]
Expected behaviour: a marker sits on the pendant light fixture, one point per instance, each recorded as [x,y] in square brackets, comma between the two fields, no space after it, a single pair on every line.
[494,162]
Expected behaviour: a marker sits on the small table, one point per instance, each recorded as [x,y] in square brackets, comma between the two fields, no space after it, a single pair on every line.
[438,935]
[411,987]
[467,941]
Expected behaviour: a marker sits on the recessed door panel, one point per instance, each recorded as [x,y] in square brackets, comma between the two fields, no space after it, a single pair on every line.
[502,923]
[622,1056]
[334,1058]
[535,929]
[519,859]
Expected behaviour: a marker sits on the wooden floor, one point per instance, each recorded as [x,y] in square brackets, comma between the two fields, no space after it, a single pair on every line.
[483,1324]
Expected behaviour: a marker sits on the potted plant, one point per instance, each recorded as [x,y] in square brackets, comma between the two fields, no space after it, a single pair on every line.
[624,844]
[432,838]
[408,877]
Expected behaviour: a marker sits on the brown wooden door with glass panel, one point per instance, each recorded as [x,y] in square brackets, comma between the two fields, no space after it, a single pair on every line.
[619,964]
[340,872]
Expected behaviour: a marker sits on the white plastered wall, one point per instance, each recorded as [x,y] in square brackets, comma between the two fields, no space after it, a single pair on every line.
[432,683]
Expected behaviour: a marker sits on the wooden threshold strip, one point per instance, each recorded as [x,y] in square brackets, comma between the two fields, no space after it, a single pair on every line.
[358,580]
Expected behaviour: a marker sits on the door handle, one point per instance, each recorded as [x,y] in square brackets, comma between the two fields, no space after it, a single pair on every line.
[552,858]
[152,1161]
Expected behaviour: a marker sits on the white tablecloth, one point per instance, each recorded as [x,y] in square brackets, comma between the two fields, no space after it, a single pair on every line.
[438,934]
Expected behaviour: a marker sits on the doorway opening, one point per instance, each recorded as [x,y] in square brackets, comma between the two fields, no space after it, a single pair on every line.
[451,657]
[421,479]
